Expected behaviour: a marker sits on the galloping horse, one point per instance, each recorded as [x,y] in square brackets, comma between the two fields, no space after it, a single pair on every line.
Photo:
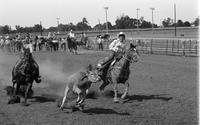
[72,45]
[24,73]
[119,72]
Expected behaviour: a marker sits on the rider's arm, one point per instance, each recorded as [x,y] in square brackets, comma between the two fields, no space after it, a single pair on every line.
[30,47]
[112,46]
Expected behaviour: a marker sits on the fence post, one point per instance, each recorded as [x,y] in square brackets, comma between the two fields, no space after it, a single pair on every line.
[166,49]
[151,46]
[173,46]
[178,46]
[183,48]
[197,47]
[190,46]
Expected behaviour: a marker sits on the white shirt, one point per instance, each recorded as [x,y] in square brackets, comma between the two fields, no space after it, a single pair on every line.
[116,46]
[71,35]
[99,40]
[29,46]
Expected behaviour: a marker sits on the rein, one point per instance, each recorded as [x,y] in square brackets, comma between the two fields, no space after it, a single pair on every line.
[130,60]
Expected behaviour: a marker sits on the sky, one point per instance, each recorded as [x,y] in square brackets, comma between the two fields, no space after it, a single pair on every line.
[30,12]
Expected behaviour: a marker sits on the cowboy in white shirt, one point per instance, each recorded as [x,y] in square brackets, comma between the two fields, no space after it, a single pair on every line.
[116,47]
[100,41]
[27,43]
[71,34]
[118,44]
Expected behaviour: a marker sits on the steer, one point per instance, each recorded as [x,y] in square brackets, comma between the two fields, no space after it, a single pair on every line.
[79,83]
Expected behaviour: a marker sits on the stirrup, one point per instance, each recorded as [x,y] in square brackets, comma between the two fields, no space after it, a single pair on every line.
[38,79]
[14,81]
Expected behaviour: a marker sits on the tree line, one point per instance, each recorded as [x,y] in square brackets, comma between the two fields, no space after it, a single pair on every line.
[122,22]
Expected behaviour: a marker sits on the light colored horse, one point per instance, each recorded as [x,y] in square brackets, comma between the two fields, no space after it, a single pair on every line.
[119,72]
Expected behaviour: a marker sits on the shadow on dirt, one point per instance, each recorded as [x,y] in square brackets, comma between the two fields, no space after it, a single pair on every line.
[129,98]
[45,98]
[92,95]
[102,111]
[147,97]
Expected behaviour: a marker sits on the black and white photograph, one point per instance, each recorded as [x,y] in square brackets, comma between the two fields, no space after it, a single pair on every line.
[99,62]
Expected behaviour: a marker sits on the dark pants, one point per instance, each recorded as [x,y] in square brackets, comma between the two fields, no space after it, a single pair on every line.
[101,46]
[109,60]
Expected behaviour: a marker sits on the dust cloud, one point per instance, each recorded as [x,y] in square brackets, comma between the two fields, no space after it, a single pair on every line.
[5,69]
[53,76]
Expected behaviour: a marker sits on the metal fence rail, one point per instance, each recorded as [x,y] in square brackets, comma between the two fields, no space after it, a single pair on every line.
[176,47]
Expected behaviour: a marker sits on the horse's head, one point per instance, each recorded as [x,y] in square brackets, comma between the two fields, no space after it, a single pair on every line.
[27,54]
[132,53]
[92,74]
[27,58]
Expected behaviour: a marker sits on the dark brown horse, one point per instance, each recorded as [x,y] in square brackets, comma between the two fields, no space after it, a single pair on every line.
[119,72]
[24,73]
[72,45]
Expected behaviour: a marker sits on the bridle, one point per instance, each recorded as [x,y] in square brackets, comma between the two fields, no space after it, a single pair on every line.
[131,57]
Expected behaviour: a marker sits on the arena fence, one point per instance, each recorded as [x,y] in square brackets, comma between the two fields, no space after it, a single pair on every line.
[176,47]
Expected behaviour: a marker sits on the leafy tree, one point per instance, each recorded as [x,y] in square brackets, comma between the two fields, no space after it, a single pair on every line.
[109,25]
[4,29]
[145,24]
[98,27]
[180,23]
[71,26]
[187,24]
[52,29]
[196,22]
[167,22]
[37,28]
[83,25]
[125,22]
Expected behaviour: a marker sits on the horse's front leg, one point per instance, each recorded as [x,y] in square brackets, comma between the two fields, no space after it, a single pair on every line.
[29,86]
[126,90]
[16,89]
[14,96]
[115,93]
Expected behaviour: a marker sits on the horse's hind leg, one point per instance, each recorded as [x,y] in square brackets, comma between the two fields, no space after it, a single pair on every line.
[26,93]
[115,93]
[103,85]
[16,90]
[80,103]
[64,98]
[126,90]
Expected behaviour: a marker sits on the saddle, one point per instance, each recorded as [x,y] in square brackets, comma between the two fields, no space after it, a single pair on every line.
[20,66]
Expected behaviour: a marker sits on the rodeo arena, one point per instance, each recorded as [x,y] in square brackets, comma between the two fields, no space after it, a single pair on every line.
[110,77]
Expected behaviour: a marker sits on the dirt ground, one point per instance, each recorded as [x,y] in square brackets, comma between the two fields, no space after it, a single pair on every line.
[163,91]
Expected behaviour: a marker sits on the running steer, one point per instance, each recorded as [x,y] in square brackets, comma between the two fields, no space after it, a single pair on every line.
[79,83]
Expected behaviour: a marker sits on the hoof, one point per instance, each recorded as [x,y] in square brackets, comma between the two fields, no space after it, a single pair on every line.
[61,108]
[25,104]
[116,100]
[74,109]
[14,99]
[81,107]
[38,80]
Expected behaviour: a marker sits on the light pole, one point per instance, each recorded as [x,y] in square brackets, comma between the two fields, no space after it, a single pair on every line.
[137,18]
[99,27]
[152,9]
[57,22]
[175,20]
[106,9]
[41,28]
